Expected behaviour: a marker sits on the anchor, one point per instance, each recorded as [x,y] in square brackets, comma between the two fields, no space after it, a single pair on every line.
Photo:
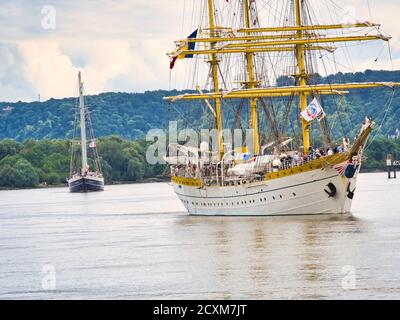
[332,190]
[350,194]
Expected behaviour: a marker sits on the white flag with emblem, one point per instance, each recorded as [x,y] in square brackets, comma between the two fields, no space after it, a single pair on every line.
[313,111]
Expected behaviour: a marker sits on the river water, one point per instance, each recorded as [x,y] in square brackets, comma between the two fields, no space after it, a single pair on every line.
[137,242]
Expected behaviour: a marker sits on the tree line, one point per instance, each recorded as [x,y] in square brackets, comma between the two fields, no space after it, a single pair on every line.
[36,162]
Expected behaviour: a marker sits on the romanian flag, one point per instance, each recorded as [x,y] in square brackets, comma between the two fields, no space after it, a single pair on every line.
[341,169]
[185,47]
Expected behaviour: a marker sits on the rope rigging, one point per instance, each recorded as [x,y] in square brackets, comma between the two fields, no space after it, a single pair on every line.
[270,66]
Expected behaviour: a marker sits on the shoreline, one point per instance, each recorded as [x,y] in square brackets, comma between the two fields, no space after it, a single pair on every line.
[148,180]
[117,183]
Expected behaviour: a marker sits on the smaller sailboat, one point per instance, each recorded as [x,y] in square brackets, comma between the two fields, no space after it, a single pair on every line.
[85,179]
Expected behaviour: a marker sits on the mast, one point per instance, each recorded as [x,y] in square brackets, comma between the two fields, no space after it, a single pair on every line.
[214,69]
[302,76]
[251,84]
[83,123]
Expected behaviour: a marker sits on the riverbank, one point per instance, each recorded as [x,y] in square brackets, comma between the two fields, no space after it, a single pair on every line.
[65,185]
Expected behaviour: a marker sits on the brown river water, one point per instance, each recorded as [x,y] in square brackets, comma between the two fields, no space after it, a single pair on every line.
[137,242]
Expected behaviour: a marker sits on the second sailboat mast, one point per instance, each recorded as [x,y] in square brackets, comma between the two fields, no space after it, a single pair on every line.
[83,124]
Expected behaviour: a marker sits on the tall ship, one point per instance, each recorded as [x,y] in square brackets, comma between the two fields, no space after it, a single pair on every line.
[84,176]
[254,62]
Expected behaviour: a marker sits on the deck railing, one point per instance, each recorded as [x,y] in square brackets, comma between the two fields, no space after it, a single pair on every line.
[213,174]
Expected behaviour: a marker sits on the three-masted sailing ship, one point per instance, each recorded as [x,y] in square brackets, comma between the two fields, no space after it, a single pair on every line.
[277,178]
[84,179]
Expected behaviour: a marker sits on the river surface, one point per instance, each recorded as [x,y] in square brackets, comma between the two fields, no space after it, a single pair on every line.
[137,242]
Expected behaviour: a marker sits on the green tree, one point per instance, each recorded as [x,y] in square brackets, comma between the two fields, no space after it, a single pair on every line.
[9,147]
[135,170]
[17,172]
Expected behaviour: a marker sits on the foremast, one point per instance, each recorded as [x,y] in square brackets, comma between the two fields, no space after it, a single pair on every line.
[82,124]
[251,84]
[214,70]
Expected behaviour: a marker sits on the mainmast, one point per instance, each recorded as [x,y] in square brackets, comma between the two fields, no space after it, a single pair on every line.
[214,69]
[302,75]
[251,84]
[83,123]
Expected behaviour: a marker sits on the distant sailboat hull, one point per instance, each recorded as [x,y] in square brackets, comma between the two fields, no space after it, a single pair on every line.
[86,184]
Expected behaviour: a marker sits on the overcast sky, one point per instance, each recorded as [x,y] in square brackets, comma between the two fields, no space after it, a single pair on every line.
[119,45]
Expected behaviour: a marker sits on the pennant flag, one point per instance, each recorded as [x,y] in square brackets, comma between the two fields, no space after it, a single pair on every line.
[313,111]
[185,47]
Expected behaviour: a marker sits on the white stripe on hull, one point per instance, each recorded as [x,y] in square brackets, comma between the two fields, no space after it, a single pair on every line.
[300,194]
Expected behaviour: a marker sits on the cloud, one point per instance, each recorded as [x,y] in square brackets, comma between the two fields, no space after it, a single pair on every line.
[13,83]
[118,45]
[47,68]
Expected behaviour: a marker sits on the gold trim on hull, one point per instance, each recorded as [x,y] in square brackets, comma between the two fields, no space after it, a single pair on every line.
[190,182]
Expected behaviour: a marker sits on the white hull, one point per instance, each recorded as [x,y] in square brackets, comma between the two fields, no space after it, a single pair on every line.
[300,194]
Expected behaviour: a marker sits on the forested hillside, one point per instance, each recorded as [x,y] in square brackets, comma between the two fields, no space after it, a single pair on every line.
[48,161]
[131,115]
[34,146]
